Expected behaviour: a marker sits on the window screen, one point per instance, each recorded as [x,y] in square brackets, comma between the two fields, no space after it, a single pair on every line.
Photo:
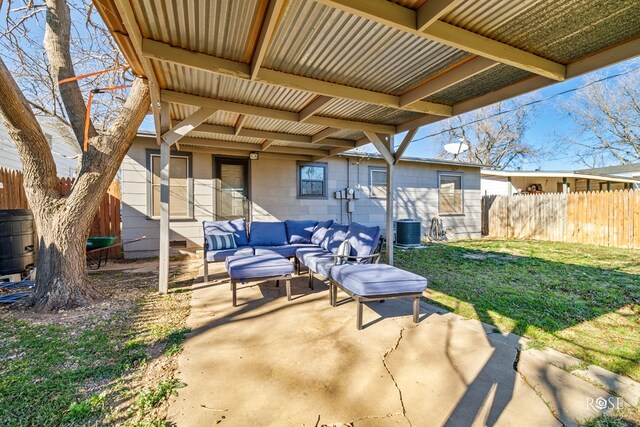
[312,180]
[179,194]
[450,194]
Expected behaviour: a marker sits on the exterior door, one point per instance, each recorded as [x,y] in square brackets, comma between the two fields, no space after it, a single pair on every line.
[231,188]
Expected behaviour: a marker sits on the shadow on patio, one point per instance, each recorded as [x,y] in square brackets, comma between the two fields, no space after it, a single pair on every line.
[273,362]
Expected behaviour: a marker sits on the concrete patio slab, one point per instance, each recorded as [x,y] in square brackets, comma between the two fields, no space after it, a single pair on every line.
[270,362]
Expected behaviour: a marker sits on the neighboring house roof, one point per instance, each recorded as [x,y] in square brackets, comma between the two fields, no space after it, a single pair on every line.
[558,174]
[413,159]
[626,168]
[64,147]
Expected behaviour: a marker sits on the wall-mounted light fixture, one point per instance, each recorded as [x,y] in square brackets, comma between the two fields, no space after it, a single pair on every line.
[254,156]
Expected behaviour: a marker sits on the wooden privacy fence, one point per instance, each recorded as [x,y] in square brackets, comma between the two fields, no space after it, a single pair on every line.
[105,223]
[606,218]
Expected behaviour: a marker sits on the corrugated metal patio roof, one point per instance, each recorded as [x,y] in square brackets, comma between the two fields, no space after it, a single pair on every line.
[325,76]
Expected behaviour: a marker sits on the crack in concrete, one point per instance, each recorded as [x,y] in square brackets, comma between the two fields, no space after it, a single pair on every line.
[373,417]
[516,363]
[384,362]
[517,360]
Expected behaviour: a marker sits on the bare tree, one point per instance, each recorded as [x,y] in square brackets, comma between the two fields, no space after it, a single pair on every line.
[63,221]
[607,113]
[494,135]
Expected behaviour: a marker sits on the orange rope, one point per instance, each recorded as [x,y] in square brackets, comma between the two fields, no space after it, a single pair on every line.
[87,117]
[70,79]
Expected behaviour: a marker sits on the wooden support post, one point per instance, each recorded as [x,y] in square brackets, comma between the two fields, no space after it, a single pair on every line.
[608,185]
[588,185]
[565,186]
[165,149]
[390,194]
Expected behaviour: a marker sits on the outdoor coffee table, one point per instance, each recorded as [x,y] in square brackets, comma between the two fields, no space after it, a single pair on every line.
[245,268]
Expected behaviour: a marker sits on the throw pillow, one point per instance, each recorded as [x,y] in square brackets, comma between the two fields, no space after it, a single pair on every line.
[300,231]
[320,231]
[335,235]
[218,242]
[267,233]
[344,250]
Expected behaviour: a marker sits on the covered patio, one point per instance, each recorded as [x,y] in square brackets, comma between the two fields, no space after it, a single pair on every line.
[274,362]
[311,79]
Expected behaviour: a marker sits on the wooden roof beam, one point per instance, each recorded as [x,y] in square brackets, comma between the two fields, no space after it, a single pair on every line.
[277,136]
[161,51]
[239,123]
[604,58]
[271,113]
[456,75]
[269,25]
[135,36]
[231,145]
[396,16]
[183,128]
[323,134]
[433,10]
[404,145]
[313,107]
[381,146]
[266,144]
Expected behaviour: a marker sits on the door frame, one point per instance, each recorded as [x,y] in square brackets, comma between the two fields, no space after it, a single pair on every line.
[243,161]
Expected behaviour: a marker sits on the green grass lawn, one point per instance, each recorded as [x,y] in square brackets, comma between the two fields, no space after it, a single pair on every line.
[579,299]
[110,364]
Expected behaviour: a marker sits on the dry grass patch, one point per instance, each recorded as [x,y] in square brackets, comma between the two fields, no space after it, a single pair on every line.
[112,363]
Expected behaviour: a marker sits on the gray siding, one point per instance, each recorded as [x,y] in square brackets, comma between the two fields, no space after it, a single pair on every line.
[273,197]
[65,149]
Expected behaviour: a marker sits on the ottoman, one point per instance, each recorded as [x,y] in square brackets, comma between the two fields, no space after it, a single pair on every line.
[371,282]
[245,268]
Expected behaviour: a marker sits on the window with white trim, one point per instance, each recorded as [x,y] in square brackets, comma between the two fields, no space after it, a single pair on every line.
[377,182]
[180,192]
[450,194]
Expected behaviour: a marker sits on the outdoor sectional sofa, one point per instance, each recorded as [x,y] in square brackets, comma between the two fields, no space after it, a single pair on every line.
[309,242]
[346,256]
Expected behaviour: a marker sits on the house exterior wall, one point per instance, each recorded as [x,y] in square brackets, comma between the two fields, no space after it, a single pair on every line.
[65,149]
[273,197]
[499,186]
[496,185]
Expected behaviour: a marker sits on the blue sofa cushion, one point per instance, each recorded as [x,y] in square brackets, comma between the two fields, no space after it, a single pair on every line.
[286,251]
[221,255]
[257,266]
[303,254]
[335,235]
[363,239]
[377,279]
[300,231]
[216,242]
[321,264]
[267,234]
[238,227]
[320,231]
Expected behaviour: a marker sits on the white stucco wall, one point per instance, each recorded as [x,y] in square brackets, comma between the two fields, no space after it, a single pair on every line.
[273,197]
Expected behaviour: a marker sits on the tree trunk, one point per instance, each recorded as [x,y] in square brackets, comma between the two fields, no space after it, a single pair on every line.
[61,280]
[63,221]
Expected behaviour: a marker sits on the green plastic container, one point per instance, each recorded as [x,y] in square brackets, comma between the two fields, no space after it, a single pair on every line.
[100,242]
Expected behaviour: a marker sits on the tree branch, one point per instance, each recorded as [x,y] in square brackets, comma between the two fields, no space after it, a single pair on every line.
[40,177]
[56,43]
